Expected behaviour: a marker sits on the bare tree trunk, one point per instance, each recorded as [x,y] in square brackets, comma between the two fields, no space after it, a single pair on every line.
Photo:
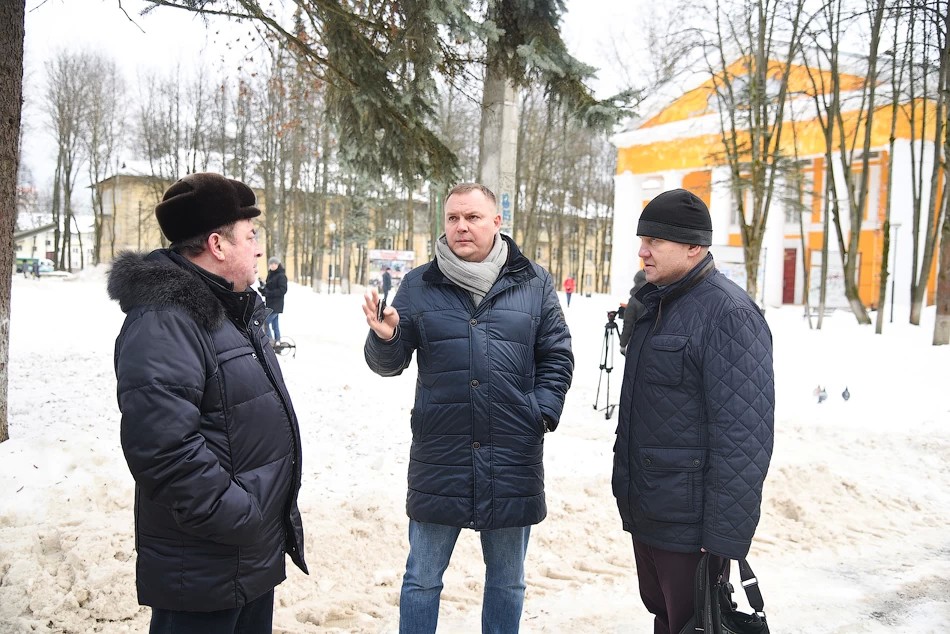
[936,17]
[498,136]
[11,103]
[942,319]
[896,81]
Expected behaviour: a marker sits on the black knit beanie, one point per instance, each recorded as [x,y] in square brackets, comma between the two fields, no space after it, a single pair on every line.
[201,202]
[678,216]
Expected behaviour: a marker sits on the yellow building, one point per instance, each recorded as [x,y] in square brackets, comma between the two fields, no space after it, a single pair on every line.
[129,223]
[678,144]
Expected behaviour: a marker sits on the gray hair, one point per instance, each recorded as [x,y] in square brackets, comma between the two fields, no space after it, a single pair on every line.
[195,246]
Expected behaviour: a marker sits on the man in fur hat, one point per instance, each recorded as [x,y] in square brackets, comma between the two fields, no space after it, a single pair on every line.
[694,439]
[208,428]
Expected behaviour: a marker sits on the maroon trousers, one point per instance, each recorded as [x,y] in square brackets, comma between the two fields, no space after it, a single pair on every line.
[666,584]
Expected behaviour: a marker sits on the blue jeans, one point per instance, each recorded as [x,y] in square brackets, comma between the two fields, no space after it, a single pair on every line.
[430,549]
[255,617]
[273,328]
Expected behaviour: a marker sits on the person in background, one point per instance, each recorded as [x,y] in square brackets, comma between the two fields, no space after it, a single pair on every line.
[494,365]
[633,310]
[273,289]
[569,289]
[208,429]
[387,284]
[697,404]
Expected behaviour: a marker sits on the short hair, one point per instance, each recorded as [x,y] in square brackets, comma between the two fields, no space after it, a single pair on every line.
[464,188]
[195,246]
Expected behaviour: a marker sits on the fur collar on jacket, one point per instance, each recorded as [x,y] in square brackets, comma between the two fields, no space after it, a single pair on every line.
[159,279]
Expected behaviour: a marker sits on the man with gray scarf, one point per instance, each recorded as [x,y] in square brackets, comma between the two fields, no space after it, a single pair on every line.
[494,366]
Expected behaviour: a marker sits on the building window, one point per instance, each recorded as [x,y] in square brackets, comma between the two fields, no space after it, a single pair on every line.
[589,255]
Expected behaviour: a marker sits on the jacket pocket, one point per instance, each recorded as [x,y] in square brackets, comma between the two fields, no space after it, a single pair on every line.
[536,413]
[417,415]
[672,483]
[663,364]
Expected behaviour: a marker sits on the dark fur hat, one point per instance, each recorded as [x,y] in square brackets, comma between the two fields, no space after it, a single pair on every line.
[201,202]
[678,216]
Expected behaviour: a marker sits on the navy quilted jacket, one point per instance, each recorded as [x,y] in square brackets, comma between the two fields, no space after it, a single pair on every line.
[695,435]
[487,377]
[209,434]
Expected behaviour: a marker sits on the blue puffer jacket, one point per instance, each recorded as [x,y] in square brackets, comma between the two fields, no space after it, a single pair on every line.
[488,376]
[695,435]
[209,434]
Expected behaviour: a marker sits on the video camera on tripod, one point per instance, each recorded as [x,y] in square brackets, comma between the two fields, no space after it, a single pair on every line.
[607,362]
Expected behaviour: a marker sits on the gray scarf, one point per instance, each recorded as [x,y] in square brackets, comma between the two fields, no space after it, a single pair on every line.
[475,277]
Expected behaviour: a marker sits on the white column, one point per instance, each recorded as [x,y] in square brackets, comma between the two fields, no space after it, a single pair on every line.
[720,205]
[773,243]
[627,208]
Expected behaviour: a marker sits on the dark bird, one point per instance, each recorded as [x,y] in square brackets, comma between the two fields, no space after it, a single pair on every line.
[846,394]
[822,395]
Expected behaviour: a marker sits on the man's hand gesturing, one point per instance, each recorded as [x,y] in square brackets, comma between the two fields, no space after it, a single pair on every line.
[386,328]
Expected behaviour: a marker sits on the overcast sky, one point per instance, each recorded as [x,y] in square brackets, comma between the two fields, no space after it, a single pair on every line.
[168,37]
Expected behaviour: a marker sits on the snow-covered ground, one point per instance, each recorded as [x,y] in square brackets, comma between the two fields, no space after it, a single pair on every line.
[854,537]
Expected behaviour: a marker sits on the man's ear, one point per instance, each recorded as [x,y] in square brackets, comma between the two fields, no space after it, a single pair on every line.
[214,245]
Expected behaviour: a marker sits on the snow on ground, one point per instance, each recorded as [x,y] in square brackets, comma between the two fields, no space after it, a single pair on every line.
[854,535]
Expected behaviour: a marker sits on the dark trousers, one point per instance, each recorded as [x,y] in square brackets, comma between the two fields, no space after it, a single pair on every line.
[255,617]
[666,584]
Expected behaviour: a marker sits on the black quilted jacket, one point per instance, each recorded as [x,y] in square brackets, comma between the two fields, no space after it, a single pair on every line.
[486,376]
[695,435]
[209,434]
[274,289]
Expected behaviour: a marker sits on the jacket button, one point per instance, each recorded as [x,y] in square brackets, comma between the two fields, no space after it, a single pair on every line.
[254,354]
[476,445]
[474,382]
[257,323]
[474,322]
[647,462]
[696,462]
[471,523]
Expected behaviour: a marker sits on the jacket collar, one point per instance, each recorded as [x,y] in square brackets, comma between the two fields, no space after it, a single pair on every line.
[652,296]
[164,278]
[239,305]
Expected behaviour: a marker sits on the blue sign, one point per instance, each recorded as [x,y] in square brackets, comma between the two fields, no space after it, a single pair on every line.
[505,202]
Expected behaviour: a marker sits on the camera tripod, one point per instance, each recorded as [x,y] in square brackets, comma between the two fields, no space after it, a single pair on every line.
[607,364]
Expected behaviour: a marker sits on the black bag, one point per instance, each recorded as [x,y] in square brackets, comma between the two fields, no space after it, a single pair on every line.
[716,613]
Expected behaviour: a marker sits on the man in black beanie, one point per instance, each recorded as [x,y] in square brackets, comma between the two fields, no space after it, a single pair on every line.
[695,434]
[208,429]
